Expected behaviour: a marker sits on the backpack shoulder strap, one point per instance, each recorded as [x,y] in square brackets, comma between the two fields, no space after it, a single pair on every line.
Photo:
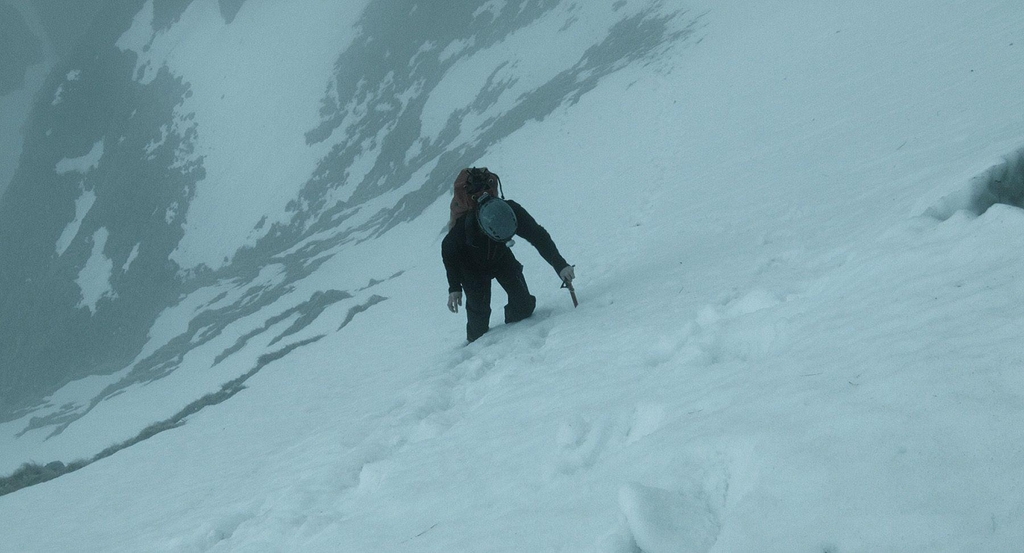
[461,202]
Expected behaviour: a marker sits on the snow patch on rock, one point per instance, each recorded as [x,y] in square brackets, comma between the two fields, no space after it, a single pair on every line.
[94,278]
[82,206]
[82,164]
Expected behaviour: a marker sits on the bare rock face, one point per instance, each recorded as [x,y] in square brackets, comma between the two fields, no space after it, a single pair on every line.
[19,49]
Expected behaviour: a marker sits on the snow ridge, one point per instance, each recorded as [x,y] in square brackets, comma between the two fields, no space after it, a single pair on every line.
[1002,183]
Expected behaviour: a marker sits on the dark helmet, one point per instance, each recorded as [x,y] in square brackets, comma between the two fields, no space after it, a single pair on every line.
[496,218]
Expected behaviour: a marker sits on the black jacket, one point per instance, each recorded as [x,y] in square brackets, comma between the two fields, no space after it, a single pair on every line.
[467,249]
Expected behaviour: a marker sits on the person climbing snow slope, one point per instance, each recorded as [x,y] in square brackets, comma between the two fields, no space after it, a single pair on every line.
[476,251]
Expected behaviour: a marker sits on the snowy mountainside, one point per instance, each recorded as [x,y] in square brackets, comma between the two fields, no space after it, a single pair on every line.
[187,177]
[798,241]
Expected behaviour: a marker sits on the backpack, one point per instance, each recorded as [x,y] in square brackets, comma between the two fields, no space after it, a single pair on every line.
[469,185]
[477,190]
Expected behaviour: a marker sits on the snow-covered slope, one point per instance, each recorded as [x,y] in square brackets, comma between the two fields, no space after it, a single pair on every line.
[798,234]
[198,159]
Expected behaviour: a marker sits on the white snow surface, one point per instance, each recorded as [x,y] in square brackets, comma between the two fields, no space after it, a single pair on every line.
[777,347]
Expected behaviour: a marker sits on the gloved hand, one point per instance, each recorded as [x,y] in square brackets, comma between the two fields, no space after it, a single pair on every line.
[567,274]
[454,301]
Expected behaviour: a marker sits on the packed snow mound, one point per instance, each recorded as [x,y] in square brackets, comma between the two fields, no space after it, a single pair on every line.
[669,521]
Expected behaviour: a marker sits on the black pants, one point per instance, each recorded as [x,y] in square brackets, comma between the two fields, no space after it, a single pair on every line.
[478,299]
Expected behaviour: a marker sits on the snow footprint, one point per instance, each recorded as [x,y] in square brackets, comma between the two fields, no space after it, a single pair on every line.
[744,328]
[647,419]
[429,409]
[213,534]
[580,443]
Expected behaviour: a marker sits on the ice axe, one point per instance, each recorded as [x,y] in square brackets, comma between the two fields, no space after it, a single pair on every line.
[572,292]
